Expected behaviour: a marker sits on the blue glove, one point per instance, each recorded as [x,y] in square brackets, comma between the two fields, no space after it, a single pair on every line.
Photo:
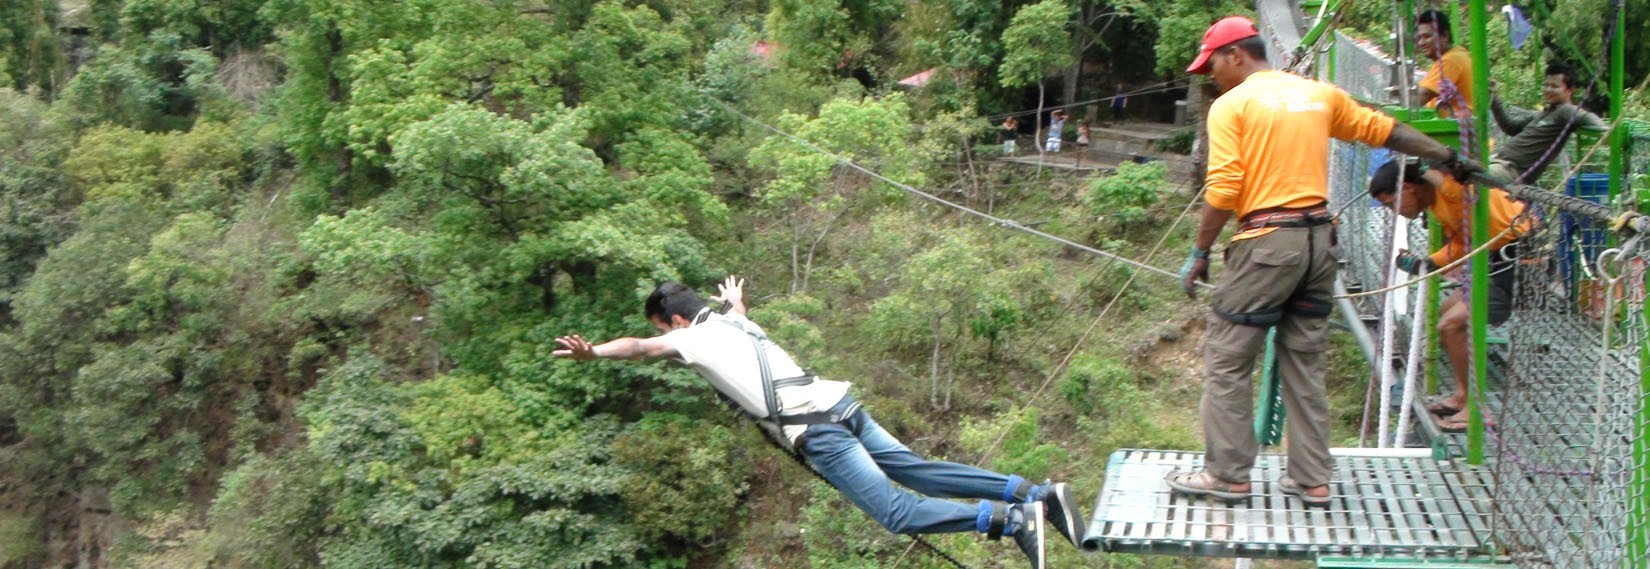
[1414,264]
[1195,269]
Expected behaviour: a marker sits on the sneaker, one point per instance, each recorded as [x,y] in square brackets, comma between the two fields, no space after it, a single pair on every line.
[1062,511]
[1029,518]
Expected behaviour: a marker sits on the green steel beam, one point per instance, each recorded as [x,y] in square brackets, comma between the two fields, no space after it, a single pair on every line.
[1479,19]
[1320,27]
[1618,136]
[1408,563]
[1638,543]
[1435,236]
[1455,24]
[1332,61]
[1269,414]
[1409,28]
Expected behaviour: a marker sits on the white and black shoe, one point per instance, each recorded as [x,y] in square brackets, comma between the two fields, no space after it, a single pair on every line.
[1062,511]
[1030,535]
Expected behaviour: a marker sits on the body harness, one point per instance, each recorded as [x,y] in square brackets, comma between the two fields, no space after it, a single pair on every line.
[1298,303]
[774,428]
[773,423]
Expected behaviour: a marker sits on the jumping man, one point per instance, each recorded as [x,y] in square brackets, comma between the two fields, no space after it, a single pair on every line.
[819,419]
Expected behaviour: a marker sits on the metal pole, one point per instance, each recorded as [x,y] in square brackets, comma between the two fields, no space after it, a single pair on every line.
[1435,237]
[1638,543]
[1355,323]
[1479,19]
[1618,136]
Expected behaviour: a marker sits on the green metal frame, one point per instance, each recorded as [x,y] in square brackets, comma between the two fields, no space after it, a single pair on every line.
[1638,543]
[1402,563]
[1479,46]
[1319,28]
[1269,413]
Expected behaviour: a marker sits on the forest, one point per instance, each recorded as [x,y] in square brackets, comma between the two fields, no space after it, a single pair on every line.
[280,279]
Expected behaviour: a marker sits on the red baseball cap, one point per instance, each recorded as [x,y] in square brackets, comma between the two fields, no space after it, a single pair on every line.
[1228,30]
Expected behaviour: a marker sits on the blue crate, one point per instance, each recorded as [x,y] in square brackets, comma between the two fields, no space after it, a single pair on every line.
[1581,240]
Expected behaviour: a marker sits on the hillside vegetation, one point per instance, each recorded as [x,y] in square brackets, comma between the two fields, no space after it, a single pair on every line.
[279,280]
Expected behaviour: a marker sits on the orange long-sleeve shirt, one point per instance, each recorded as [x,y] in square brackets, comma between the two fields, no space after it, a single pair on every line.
[1451,211]
[1269,141]
[1455,65]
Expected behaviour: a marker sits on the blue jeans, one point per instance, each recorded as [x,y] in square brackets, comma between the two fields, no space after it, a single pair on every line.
[863,461]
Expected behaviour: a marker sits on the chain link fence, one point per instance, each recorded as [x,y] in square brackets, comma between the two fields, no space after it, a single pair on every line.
[1571,406]
[1367,233]
[1572,397]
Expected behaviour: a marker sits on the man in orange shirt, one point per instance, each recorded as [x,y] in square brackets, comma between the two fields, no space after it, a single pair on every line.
[1268,166]
[1450,63]
[1445,199]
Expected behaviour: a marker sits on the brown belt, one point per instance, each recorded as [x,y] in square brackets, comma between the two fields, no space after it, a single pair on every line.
[1282,217]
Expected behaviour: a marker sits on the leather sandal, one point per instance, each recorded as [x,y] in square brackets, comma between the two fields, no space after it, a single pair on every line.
[1290,486]
[1201,483]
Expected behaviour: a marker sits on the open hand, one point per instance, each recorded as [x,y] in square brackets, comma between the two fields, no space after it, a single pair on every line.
[575,347]
[731,291]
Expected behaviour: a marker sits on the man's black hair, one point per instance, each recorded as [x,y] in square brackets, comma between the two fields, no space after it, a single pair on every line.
[1253,45]
[1561,68]
[1385,179]
[1439,21]
[672,298]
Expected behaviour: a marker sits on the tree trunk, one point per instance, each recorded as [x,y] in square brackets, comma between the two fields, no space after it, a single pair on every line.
[1196,110]
[1042,147]
[808,264]
[796,253]
[934,371]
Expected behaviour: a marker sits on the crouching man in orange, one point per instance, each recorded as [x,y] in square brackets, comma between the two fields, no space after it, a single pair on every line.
[1445,199]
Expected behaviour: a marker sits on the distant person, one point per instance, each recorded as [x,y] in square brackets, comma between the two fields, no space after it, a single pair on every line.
[1083,136]
[1269,137]
[820,420]
[1119,102]
[1007,135]
[1056,128]
[1446,200]
[1450,64]
[1522,158]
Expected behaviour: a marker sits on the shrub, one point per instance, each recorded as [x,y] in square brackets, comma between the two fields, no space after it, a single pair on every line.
[1124,196]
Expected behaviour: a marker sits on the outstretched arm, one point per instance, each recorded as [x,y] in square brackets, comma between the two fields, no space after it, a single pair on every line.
[732,291]
[1407,140]
[578,348]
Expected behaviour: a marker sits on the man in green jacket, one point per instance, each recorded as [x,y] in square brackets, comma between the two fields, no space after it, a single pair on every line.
[1522,158]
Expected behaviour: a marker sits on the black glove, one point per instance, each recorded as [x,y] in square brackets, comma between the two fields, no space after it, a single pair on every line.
[1414,264]
[1460,167]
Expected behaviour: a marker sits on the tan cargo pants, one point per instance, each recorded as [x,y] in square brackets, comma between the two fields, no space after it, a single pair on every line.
[1265,273]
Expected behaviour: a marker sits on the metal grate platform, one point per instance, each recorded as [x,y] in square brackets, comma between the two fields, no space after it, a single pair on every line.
[1384,506]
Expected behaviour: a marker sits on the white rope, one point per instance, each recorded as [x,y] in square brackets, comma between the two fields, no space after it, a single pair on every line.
[1009,223]
[1412,371]
[1389,330]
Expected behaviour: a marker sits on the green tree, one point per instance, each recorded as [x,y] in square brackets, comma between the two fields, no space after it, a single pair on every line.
[34,193]
[813,191]
[829,38]
[950,293]
[31,55]
[1035,44]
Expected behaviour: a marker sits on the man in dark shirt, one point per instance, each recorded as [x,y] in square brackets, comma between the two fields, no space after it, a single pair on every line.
[1522,158]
